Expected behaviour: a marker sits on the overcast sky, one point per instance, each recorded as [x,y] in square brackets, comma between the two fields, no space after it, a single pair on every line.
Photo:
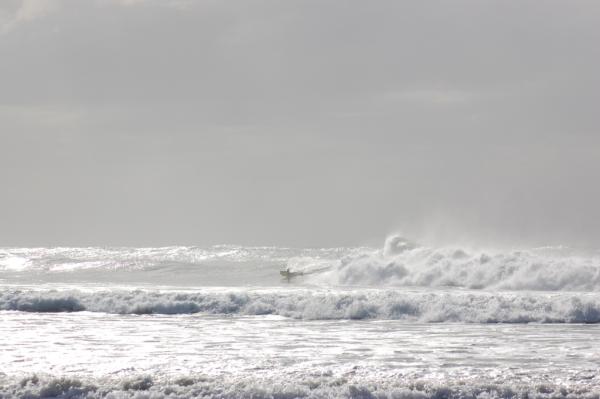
[298,123]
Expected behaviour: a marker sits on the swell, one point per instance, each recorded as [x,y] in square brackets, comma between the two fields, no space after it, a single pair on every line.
[317,386]
[384,304]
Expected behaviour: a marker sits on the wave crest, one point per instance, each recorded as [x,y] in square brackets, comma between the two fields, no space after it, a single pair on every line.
[422,306]
[403,263]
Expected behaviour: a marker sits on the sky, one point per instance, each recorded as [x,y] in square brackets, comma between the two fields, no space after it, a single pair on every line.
[299,123]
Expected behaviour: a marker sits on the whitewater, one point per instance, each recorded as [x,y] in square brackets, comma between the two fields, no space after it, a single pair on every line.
[403,321]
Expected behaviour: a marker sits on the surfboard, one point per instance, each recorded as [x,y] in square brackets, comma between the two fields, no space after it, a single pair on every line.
[287,274]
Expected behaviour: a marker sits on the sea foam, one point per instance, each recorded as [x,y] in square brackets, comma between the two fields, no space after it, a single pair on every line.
[402,263]
[421,306]
[316,386]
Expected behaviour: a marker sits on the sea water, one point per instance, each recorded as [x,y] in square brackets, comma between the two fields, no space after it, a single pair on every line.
[404,321]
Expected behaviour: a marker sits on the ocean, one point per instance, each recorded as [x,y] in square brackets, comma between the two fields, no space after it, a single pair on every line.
[401,321]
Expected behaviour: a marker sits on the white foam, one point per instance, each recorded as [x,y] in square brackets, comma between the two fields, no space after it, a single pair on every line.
[402,263]
[422,306]
[316,386]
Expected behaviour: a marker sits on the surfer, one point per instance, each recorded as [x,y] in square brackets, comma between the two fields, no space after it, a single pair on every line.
[288,274]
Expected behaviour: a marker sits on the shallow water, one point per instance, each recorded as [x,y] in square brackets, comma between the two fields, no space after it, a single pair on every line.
[96,344]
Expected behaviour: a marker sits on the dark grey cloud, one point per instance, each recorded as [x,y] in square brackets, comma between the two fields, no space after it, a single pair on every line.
[298,122]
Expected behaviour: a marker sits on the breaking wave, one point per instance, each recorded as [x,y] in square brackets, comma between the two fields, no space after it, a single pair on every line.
[402,263]
[412,306]
[317,386]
